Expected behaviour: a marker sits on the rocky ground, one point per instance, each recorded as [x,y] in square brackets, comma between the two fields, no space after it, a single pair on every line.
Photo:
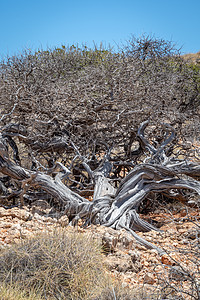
[176,271]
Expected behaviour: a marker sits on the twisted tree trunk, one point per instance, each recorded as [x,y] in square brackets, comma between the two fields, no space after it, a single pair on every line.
[113,207]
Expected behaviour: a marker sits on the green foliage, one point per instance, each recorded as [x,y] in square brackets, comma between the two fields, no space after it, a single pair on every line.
[74,56]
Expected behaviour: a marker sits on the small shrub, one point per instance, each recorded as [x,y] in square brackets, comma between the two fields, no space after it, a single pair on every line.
[13,292]
[60,265]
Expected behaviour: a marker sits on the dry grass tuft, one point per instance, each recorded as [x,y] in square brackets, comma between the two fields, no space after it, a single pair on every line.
[60,265]
[13,292]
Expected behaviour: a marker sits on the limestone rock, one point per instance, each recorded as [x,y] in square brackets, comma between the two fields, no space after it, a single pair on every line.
[126,240]
[176,273]
[63,221]
[15,212]
[109,242]
[124,262]
[149,278]
[192,234]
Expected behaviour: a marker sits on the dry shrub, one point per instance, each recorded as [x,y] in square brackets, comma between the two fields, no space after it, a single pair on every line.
[13,292]
[60,265]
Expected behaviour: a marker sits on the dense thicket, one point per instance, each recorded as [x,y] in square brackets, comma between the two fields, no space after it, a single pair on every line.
[78,110]
[95,95]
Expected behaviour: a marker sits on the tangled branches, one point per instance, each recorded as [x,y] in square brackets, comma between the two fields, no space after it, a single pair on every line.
[73,126]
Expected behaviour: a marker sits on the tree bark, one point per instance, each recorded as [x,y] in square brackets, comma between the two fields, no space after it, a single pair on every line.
[116,208]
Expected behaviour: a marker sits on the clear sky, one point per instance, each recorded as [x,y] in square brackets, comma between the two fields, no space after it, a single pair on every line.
[47,23]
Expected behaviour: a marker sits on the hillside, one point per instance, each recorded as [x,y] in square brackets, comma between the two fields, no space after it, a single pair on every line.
[107,144]
[192,57]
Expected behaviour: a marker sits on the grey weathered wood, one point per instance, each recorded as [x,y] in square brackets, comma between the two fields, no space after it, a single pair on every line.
[112,207]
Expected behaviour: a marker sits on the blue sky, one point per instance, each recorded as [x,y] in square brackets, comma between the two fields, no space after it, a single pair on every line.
[47,23]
